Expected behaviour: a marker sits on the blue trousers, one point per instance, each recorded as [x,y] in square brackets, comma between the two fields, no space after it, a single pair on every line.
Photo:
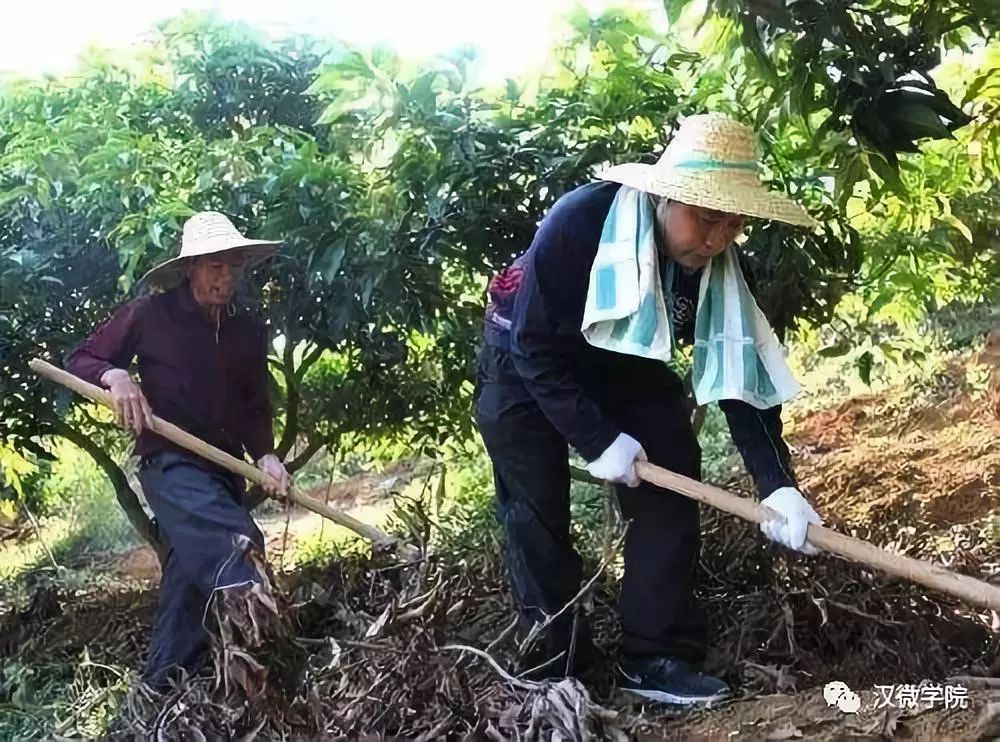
[200,509]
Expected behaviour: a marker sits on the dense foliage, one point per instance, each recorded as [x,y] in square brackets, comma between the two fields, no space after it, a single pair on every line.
[398,188]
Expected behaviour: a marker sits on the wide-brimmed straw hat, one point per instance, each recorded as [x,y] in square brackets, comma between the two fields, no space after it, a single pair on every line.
[711,162]
[207,233]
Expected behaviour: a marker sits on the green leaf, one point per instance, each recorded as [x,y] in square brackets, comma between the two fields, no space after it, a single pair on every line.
[804,101]
[674,10]
[890,351]
[920,121]
[751,39]
[329,263]
[850,172]
[880,301]
[979,84]
[888,174]
[840,348]
[958,224]
[155,230]
[579,19]
[205,180]
[941,104]
[864,365]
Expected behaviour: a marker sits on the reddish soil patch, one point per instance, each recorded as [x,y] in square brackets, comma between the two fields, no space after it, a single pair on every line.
[862,461]
[364,489]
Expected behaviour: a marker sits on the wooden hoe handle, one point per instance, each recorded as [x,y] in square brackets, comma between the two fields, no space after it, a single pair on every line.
[182,438]
[973,591]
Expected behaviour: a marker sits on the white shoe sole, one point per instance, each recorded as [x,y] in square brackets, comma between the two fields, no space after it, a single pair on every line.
[664,697]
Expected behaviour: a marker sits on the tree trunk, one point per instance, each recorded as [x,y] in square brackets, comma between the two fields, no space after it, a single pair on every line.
[291,400]
[126,496]
[293,381]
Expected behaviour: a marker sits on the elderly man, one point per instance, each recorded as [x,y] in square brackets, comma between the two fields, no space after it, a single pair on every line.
[202,364]
[577,335]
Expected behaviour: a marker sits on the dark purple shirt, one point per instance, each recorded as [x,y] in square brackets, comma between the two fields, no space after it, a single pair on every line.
[211,381]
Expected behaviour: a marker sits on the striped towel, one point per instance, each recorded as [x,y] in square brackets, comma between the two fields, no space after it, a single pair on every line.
[736,353]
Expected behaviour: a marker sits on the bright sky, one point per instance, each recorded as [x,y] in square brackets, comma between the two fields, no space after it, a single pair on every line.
[39,36]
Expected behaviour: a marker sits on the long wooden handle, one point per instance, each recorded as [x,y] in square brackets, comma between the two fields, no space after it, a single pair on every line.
[973,591]
[192,443]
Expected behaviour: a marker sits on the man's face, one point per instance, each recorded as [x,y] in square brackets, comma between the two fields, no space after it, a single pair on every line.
[213,277]
[693,235]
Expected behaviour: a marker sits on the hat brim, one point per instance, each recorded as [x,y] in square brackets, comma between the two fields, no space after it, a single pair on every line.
[732,196]
[171,272]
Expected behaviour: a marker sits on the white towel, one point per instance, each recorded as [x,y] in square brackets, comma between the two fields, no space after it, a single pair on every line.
[736,353]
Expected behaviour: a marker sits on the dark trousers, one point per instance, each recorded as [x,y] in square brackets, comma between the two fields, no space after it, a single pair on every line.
[531,471]
[200,510]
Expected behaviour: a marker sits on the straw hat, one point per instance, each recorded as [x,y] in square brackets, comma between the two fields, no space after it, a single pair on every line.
[711,162]
[206,233]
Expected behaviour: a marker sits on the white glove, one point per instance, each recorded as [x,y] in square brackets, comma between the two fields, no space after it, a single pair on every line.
[617,463]
[798,514]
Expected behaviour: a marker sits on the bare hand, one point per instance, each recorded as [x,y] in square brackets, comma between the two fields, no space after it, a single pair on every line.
[277,480]
[132,411]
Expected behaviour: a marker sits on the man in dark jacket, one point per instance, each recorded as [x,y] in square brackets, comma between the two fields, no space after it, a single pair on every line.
[202,365]
[542,388]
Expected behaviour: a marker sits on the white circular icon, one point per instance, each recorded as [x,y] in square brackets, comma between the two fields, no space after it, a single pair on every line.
[849,702]
[840,695]
[832,691]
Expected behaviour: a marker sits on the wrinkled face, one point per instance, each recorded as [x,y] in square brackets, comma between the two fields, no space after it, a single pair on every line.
[693,235]
[213,277]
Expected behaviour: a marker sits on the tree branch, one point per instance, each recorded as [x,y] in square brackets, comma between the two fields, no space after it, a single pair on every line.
[291,401]
[293,380]
[124,493]
[967,20]
[303,458]
[307,362]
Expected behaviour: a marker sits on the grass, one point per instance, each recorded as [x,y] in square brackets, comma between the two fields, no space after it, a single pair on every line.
[84,520]
[320,540]
[40,698]
[925,348]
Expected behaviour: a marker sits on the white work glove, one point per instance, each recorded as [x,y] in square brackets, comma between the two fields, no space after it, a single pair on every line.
[617,463]
[798,514]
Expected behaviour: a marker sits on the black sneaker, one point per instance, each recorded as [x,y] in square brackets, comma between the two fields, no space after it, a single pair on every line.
[669,680]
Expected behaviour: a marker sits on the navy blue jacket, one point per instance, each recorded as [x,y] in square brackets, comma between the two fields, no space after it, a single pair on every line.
[535,312]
